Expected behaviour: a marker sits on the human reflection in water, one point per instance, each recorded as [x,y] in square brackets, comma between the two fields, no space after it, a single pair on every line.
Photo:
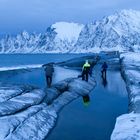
[104,80]
[86,100]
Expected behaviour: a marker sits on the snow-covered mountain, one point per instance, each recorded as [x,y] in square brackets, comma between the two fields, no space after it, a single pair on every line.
[60,37]
[120,31]
[67,31]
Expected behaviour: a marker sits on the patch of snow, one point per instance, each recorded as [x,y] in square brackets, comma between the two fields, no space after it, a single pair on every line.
[20,67]
[127,127]
[67,31]
[62,73]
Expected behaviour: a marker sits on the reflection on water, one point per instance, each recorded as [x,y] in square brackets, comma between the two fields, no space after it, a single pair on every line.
[97,120]
[104,80]
[86,100]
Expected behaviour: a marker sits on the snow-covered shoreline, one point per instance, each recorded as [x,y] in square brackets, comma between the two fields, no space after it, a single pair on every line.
[20,67]
[30,113]
[127,126]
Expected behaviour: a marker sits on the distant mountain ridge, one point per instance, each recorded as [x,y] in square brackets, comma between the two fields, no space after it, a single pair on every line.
[54,40]
[120,31]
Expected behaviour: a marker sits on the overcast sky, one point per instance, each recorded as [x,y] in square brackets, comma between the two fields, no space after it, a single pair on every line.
[37,15]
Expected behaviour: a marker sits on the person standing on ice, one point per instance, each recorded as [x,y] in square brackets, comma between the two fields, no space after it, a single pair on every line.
[104,68]
[85,71]
[49,70]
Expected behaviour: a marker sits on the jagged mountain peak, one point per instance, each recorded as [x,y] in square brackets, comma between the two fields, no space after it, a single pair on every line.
[125,14]
[59,37]
[124,21]
[120,31]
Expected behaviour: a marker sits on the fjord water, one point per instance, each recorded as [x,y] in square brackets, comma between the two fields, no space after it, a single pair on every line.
[7,60]
[35,77]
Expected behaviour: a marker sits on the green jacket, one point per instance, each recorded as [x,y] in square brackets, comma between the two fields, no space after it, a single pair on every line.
[86,65]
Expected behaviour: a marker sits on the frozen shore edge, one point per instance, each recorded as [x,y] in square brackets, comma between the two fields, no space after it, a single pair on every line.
[127,126]
[35,117]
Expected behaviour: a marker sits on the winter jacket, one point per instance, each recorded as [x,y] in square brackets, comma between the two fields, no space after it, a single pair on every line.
[49,70]
[86,67]
[104,66]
